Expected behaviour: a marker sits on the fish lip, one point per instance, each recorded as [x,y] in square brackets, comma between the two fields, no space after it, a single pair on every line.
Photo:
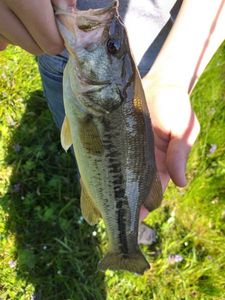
[94,87]
[93,82]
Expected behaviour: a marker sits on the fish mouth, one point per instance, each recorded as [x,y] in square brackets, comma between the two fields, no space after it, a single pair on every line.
[93,82]
[91,86]
[80,28]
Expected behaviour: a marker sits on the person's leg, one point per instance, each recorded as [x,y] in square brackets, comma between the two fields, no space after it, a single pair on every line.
[51,70]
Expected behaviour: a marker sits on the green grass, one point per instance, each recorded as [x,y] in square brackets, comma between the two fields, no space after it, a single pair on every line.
[48,252]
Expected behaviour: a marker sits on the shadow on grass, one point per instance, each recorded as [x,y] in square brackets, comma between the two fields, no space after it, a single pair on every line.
[55,249]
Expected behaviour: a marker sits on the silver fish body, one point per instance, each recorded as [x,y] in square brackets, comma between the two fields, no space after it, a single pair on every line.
[108,123]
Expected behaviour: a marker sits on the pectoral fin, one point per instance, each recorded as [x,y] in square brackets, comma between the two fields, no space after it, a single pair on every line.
[89,136]
[155,195]
[66,139]
[90,213]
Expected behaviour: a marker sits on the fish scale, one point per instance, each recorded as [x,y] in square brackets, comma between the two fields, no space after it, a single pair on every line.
[115,172]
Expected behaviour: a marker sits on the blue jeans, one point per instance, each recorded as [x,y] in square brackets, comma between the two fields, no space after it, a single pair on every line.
[51,70]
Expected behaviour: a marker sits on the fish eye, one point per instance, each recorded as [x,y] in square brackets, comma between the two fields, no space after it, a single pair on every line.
[113,46]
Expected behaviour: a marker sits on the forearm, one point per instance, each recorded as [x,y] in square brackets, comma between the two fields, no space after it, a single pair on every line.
[197,33]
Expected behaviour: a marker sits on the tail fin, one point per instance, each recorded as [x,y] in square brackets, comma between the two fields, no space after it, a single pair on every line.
[134,262]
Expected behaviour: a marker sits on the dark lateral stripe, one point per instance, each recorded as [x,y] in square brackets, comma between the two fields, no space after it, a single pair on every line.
[115,171]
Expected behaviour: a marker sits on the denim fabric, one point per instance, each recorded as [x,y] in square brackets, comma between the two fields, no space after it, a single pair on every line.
[51,70]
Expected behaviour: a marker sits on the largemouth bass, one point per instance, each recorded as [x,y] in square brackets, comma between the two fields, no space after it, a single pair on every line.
[108,123]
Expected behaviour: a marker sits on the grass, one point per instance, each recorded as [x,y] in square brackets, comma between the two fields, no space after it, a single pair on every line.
[48,252]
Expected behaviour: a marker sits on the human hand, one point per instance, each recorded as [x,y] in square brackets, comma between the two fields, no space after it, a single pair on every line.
[31,25]
[175,127]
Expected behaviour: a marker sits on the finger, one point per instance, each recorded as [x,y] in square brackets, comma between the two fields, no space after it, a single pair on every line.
[177,155]
[162,168]
[38,18]
[178,151]
[143,213]
[15,32]
[3,43]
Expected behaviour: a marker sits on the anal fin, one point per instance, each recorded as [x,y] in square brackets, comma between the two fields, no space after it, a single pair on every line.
[89,211]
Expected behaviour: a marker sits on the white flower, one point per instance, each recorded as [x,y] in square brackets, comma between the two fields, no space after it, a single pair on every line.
[213,148]
[174,258]
[12,264]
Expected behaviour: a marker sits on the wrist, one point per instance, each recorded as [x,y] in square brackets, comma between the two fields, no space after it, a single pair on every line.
[153,86]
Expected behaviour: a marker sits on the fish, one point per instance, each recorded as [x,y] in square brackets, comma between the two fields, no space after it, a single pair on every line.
[108,124]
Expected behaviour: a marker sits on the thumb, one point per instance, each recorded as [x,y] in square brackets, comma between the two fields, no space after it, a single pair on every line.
[177,155]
